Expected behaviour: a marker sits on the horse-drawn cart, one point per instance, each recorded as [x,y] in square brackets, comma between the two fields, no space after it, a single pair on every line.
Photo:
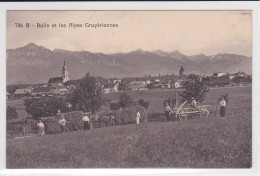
[190,112]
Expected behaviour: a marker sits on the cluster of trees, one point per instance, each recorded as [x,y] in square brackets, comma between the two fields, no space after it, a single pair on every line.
[11,113]
[45,106]
[127,101]
[242,79]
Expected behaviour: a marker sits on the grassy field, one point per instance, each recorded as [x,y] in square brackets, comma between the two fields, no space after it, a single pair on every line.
[214,142]
[241,95]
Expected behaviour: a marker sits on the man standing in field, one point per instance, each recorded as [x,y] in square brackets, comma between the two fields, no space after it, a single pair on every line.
[112,120]
[69,107]
[168,111]
[222,104]
[85,121]
[62,122]
[193,102]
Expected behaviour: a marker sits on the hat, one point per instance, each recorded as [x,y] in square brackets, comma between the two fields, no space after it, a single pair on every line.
[192,98]
[86,113]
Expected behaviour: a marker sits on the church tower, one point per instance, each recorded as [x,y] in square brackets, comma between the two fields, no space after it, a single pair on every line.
[65,73]
[181,73]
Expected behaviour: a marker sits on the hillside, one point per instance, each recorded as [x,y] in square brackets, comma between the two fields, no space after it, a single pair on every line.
[206,143]
[36,64]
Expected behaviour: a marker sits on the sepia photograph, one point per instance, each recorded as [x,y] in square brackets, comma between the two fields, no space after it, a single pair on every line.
[129,89]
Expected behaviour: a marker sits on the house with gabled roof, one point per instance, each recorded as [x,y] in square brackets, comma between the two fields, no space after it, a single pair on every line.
[220,81]
[20,93]
[218,74]
[8,95]
[41,91]
[138,85]
[45,91]
[110,88]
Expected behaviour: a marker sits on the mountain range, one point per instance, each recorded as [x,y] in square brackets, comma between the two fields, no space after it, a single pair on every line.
[36,64]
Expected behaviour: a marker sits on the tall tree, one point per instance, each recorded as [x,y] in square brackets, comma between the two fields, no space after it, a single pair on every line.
[88,94]
[125,100]
[195,87]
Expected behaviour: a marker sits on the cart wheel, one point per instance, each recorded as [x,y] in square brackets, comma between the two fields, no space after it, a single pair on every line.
[205,113]
[178,117]
[184,116]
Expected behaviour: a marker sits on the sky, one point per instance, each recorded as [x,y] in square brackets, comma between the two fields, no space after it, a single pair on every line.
[189,32]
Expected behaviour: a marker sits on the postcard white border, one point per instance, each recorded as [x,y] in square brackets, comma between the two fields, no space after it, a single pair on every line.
[254,6]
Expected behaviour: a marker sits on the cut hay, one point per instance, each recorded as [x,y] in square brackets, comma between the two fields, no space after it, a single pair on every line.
[73,122]
[128,115]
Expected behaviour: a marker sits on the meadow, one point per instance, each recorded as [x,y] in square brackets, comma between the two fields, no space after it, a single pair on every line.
[241,95]
[214,142]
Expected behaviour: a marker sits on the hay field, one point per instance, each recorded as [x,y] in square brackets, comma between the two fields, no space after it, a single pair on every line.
[214,142]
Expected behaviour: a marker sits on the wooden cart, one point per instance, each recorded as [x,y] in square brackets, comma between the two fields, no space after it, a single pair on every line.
[185,113]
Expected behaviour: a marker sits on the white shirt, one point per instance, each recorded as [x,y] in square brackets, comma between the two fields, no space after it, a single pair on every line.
[62,121]
[168,108]
[138,118]
[222,103]
[40,124]
[85,118]
[194,103]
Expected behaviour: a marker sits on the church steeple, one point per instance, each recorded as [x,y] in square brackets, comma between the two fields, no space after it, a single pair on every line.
[181,72]
[65,73]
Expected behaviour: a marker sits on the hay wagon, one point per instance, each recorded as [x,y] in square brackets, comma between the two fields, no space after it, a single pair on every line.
[191,112]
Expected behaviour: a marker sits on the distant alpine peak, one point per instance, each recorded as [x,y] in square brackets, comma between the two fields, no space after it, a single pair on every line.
[139,51]
[32,46]
[176,52]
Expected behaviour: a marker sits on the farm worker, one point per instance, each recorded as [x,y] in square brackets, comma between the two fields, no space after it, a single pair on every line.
[69,106]
[168,111]
[138,115]
[222,104]
[85,121]
[193,102]
[112,120]
[62,123]
[40,126]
